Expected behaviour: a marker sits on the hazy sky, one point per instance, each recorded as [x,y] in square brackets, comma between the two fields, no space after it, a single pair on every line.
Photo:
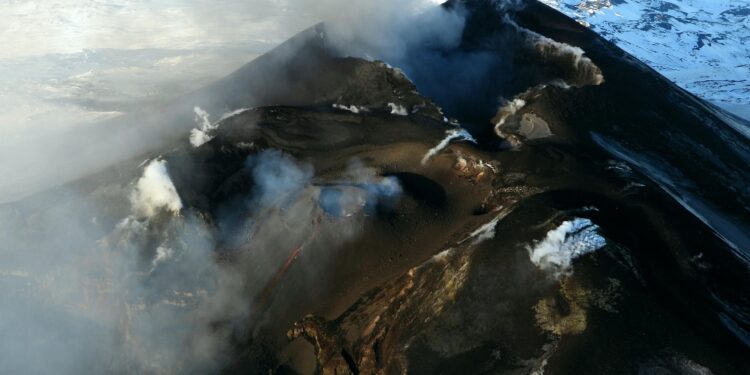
[36,27]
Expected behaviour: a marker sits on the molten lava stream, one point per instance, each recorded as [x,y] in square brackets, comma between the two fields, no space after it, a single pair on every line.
[264,298]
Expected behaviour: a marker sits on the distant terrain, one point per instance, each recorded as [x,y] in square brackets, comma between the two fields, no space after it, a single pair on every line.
[701,45]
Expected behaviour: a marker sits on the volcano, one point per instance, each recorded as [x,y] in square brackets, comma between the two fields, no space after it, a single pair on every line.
[530,199]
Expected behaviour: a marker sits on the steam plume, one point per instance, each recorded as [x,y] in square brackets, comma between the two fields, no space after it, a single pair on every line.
[451,135]
[155,191]
[570,240]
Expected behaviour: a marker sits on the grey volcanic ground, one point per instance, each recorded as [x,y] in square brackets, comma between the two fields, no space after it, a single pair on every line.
[523,198]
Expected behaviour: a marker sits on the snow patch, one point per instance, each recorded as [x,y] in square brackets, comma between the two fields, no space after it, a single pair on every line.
[350,108]
[698,44]
[398,109]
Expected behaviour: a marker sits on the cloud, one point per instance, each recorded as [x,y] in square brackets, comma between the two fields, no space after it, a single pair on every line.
[66,26]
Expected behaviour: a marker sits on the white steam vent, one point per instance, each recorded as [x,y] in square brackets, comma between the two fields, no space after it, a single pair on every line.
[572,239]
[155,191]
[450,136]
[200,136]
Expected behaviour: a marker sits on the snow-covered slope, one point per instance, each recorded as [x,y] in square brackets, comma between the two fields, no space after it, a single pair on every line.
[702,45]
